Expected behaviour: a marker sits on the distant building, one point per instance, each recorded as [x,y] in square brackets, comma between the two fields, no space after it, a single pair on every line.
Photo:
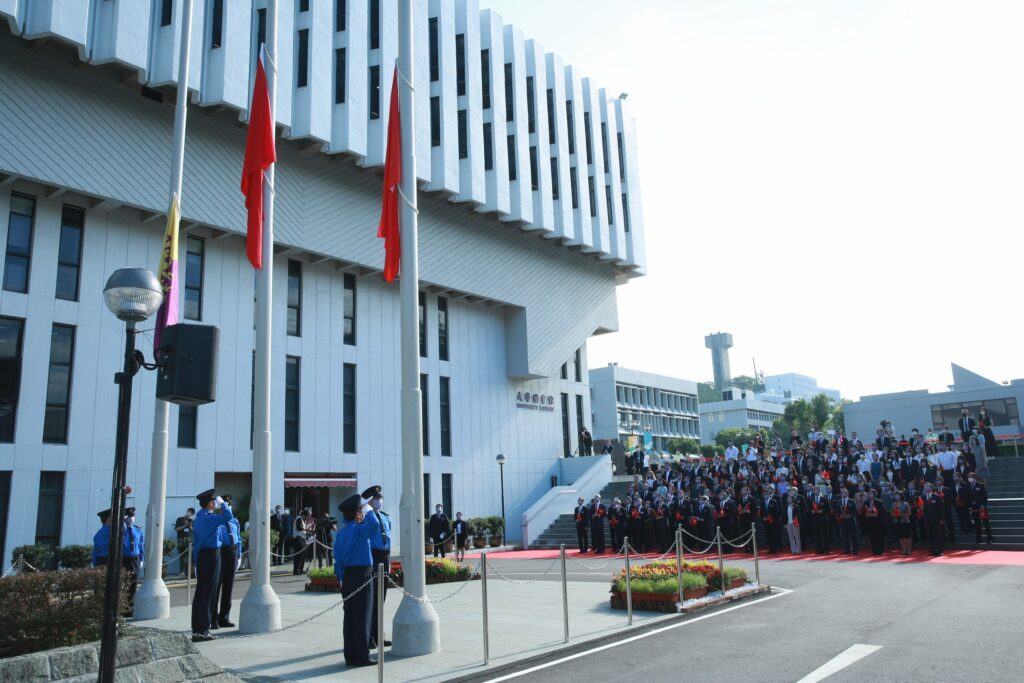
[629,402]
[923,409]
[791,386]
[740,409]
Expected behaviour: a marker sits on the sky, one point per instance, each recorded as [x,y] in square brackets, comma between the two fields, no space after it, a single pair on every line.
[838,183]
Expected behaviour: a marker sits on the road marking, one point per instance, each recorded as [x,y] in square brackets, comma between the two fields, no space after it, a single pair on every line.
[839,662]
[648,634]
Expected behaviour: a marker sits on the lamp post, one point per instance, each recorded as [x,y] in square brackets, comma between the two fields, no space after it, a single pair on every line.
[501,469]
[133,295]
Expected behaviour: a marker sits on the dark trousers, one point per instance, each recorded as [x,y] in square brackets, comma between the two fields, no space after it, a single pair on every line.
[130,568]
[207,575]
[774,533]
[820,533]
[281,549]
[358,605]
[934,529]
[581,536]
[302,552]
[964,515]
[978,522]
[597,535]
[185,561]
[439,544]
[225,582]
[379,557]
[848,530]
[949,529]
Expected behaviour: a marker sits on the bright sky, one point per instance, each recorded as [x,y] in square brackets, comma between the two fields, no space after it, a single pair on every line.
[828,180]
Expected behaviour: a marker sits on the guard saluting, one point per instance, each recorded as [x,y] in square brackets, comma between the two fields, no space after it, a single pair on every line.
[352,560]
[380,549]
[133,549]
[101,540]
[206,547]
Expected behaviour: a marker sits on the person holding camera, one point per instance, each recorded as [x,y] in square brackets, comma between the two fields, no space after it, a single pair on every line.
[305,535]
[326,525]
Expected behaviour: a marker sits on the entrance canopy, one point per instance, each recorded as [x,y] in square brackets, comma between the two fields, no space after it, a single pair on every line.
[319,482]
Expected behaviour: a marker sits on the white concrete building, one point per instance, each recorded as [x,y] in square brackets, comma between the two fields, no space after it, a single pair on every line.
[530,209]
[791,386]
[739,410]
[628,403]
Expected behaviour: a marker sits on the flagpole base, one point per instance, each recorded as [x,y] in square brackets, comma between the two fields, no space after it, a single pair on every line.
[416,630]
[153,601]
[260,611]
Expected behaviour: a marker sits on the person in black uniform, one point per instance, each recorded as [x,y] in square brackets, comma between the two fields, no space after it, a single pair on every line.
[933,519]
[440,527]
[206,551]
[945,494]
[961,495]
[820,510]
[461,530]
[770,512]
[617,524]
[581,515]
[846,515]
[979,508]
[352,566]
[380,551]
[597,515]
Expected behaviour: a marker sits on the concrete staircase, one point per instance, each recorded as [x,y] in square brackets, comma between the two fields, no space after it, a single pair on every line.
[1006,505]
[563,530]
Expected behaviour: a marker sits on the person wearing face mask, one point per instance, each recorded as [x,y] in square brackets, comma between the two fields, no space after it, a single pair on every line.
[979,508]
[900,514]
[183,529]
[440,527]
[133,549]
[101,540]
[846,514]
[933,519]
[461,530]
[961,494]
[230,540]
[380,551]
[874,524]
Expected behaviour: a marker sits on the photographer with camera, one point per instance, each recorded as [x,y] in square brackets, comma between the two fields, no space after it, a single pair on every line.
[326,525]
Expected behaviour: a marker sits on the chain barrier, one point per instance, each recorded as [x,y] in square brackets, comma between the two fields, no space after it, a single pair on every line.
[520,582]
[740,541]
[639,555]
[168,561]
[451,595]
[699,552]
[597,567]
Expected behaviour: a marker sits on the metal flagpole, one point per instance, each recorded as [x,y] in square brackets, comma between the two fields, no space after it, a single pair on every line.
[153,600]
[261,608]
[415,629]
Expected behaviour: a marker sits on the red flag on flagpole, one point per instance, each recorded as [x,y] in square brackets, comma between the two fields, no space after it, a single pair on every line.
[259,154]
[388,228]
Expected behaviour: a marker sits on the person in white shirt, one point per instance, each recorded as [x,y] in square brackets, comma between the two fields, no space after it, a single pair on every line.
[731,453]
[863,465]
[946,458]
[751,454]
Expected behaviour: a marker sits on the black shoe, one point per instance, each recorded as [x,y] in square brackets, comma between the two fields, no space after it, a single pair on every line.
[214,626]
[368,662]
[372,645]
[225,623]
[387,643]
[201,637]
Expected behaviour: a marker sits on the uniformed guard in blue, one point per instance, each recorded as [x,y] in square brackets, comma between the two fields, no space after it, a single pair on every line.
[380,547]
[230,558]
[133,552]
[206,549]
[353,565]
[101,540]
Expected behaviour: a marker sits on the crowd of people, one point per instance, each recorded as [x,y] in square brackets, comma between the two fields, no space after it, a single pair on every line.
[818,491]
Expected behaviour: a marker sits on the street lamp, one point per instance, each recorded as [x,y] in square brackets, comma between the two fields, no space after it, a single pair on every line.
[501,468]
[133,295]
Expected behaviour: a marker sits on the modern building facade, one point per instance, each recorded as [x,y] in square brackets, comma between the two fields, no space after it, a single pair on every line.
[627,403]
[791,386]
[739,410]
[529,208]
[923,409]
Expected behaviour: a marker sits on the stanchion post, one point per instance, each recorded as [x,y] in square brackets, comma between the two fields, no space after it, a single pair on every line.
[381,577]
[483,592]
[629,584]
[679,562]
[21,563]
[721,560]
[188,576]
[565,597]
[757,567]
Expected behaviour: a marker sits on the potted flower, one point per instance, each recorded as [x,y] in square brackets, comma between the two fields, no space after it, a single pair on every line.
[497,528]
[323,580]
[478,527]
[735,577]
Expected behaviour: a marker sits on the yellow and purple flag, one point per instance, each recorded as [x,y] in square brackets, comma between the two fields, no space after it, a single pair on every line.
[168,313]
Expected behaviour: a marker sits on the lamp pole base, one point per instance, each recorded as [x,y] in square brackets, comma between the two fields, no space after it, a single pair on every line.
[153,601]
[416,630]
[260,611]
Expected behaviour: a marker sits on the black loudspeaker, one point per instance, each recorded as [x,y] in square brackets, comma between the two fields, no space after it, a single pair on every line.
[188,364]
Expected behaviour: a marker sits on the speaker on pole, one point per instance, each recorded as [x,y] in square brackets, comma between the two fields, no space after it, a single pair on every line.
[188,364]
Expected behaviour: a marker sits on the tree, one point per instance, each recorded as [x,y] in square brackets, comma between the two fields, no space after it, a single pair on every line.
[803,414]
[683,445]
[706,392]
[736,435]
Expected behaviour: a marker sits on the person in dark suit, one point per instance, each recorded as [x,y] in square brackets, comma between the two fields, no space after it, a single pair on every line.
[770,512]
[597,515]
[966,424]
[961,495]
[946,436]
[945,494]
[440,528]
[617,524]
[746,510]
[933,519]
[280,522]
[581,515]
[845,510]
[979,508]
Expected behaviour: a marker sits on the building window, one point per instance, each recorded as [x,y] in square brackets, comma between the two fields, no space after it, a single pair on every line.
[374,24]
[485,78]
[217,24]
[442,328]
[194,256]
[446,495]
[425,409]
[374,92]
[588,137]
[554,179]
[625,212]
[444,403]
[11,332]
[339,15]
[58,384]
[435,121]
[579,366]
[350,309]
[463,141]
[5,505]
[511,157]
[460,64]
[551,116]
[303,5]
[291,404]
[604,145]
[348,405]
[608,201]
[428,509]
[19,243]
[566,441]
[622,158]
[531,106]
[488,148]
[50,511]
[69,253]
[573,189]
[435,59]
[533,168]
[302,61]
[339,75]
[579,415]
[510,109]
[166,6]
[570,126]
[564,372]
[188,421]
[294,298]
[593,195]
[423,325]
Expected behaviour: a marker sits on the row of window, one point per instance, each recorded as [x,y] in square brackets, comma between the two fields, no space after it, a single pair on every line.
[58,379]
[658,424]
[652,396]
[577,367]
[18,254]
[49,510]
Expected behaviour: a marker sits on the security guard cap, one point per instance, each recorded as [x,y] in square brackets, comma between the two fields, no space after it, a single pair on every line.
[104,515]
[375,491]
[350,506]
[205,497]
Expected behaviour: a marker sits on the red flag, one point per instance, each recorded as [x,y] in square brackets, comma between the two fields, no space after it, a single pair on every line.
[259,154]
[388,228]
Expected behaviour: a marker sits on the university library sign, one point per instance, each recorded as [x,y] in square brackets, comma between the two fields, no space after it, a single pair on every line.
[528,401]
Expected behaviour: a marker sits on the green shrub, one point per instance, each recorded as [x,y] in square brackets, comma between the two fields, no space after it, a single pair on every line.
[661,585]
[733,573]
[75,556]
[496,524]
[171,548]
[275,538]
[477,525]
[38,555]
[324,573]
[44,610]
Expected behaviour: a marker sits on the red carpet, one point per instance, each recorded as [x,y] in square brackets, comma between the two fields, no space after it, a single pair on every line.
[953,556]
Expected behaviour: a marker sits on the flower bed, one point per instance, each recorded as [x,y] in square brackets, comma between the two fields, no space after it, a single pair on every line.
[438,571]
[655,587]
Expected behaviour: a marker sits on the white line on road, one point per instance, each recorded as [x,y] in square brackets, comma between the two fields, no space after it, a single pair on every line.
[839,662]
[648,634]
